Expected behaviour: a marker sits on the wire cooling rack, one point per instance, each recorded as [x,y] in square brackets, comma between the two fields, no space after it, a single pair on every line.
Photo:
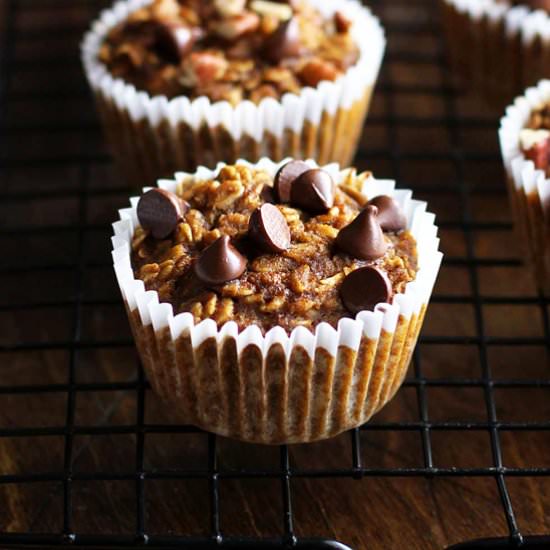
[68,374]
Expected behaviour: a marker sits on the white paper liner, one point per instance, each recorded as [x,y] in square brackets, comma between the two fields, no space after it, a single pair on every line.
[498,48]
[529,188]
[390,332]
[350,93]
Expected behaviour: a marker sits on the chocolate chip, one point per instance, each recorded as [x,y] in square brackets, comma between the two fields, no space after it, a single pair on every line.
[268,229]
[220,262]
[267,194]
[174,41]
[285,178]
[343,24]
[284,42]
[160,211]
[313,191]
[364,288]
[363,237]
[390,215]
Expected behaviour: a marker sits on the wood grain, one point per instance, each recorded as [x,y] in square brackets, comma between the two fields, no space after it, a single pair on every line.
[48,118]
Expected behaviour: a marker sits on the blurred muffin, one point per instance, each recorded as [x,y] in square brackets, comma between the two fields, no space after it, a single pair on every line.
[182,83]
[498,47]
[525,144]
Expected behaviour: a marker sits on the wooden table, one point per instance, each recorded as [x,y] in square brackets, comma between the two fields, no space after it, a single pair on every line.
[66,354]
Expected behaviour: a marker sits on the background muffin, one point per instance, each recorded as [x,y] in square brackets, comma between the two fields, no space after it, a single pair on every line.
[525,144]
[498,47]
[182,83]
[278,303]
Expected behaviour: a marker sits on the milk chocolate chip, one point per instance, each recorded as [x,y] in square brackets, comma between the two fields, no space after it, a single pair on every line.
[268,229]
[284,42]
[175,41]
[160,211]
[313,191]
[285,178]
[364,288]
[220,262]
[390,215]
[267,194]
[363,237]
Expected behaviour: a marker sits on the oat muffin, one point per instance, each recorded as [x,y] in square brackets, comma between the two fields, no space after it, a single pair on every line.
[498,47]
[276,303]
[180,83]
[525,144]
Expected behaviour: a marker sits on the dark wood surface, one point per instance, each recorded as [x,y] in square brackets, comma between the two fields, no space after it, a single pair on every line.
[52,151]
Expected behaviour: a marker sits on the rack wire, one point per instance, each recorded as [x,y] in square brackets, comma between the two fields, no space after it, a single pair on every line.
[72,275]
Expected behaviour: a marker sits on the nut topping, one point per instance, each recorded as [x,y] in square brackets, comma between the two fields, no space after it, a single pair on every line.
[228,8]
[236,26]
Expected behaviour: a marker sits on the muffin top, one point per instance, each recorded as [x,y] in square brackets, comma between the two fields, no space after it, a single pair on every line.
[229,50]
[535,138]
[290,250]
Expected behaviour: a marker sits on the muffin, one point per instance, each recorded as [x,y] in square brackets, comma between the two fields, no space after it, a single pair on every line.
[276,303]
[184,83]
[498,47]
[525,145]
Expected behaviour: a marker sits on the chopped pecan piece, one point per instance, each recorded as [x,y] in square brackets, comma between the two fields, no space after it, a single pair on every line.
[317,70]
[234,27]
[202,68]
[228,8]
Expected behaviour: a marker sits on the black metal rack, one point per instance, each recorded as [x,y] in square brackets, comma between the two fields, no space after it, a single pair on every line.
[75,245]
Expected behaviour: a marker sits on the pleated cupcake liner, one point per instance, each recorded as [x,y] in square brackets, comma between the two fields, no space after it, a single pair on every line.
[152,136]
[278,387]
[495,49]
[528,188]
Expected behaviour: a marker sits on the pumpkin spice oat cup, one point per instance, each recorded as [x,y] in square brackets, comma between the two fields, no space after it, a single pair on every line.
[184,83]
[498,47]
[525,145]
[276,303]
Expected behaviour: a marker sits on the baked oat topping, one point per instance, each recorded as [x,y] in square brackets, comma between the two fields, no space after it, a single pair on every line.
[535,138]
[229,50]
[227,259]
